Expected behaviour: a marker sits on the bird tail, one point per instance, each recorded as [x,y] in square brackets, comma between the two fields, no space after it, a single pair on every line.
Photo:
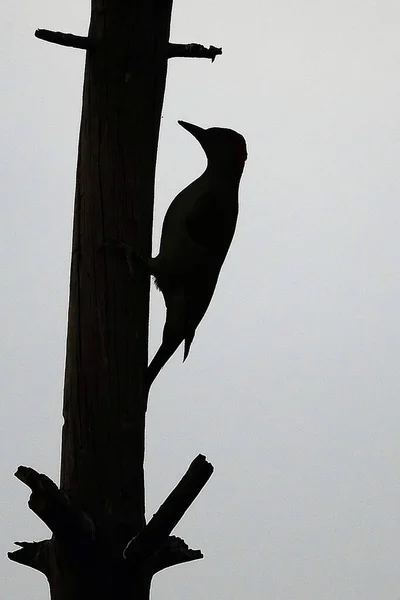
[188,342]
[173,335]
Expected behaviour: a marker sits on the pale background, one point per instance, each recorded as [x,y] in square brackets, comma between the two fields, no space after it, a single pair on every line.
[292,385]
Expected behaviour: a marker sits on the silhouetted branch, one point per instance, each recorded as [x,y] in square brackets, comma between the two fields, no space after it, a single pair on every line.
[32,554]
[193,51]
[150,539]
[63,39]
[82,42]
[54,508]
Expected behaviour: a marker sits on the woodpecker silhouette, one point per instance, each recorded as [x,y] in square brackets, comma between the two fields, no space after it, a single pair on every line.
[197,231]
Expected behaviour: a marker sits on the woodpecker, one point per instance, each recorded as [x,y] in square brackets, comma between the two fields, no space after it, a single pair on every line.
[196,234]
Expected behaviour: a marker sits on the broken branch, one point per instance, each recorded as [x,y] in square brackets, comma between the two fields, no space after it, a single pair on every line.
[63,39]
[32,554]
[150,538]
[54,508]
[193,51]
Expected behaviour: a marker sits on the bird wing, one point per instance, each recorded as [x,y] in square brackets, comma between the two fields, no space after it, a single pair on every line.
[211,224]
[198,293]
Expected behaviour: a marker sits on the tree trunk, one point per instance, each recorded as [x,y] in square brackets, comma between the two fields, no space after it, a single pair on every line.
[104,399]
[101,546]
[104,402]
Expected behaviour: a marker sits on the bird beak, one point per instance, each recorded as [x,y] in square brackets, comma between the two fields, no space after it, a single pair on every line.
[195,130]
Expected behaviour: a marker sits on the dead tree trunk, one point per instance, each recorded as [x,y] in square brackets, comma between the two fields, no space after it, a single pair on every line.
[101,546]
[104,405]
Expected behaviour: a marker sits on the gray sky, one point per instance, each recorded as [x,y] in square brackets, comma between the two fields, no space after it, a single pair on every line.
[292,385]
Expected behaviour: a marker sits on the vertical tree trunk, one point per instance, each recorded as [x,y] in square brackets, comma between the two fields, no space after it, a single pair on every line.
[104,400]
[101,547]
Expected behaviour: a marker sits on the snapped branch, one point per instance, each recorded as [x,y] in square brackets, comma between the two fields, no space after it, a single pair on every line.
[32,554]
[193,51]
[82,42]
[63,39]
[150,539]
[54,508]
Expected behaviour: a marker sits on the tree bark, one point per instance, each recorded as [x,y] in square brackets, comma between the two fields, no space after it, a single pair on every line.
[104,398]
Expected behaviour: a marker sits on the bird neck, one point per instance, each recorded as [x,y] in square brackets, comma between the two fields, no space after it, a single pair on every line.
[225,170]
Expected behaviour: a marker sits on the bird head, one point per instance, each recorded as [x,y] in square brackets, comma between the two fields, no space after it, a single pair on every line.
[222,146]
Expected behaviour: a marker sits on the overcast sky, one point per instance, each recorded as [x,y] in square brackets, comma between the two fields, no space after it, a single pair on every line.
[292,385]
